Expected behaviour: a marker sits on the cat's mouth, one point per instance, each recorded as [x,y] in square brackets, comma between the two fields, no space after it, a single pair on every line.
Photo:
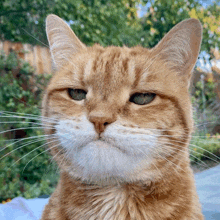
[104,142]
[101,138]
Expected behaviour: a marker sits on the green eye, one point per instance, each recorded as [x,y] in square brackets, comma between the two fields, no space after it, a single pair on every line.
[142,98]
[77,94]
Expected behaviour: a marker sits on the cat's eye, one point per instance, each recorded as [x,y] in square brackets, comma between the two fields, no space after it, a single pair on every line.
[142,98]
[77,94]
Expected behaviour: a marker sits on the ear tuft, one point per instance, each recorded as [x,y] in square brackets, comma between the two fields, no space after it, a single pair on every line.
[62,40]
[180,46]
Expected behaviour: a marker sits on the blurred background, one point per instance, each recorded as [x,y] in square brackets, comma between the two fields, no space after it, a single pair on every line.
[26,168]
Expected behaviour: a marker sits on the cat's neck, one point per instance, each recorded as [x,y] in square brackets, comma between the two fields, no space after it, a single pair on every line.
[128,200]
[157,186]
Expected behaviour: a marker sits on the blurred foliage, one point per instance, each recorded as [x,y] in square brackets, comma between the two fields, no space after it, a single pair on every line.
[210,18]
[20,94]
[163,15]
[204,94]
[207,148]
[109,22]
[205,106]
[20,87]
[105,22]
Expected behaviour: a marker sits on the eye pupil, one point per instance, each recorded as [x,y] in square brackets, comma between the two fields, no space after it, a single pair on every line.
[142,98]
[77,94]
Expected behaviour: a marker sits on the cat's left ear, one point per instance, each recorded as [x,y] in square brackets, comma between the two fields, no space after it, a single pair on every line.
[63,42]
[180,46]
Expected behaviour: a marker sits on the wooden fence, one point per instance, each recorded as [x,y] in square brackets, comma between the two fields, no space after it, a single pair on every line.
[38,57]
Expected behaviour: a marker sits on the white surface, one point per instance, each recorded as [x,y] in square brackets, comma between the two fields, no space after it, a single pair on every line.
[22,209]
[208,187]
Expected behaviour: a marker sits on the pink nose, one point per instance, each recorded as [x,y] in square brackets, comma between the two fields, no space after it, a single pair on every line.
[100,121]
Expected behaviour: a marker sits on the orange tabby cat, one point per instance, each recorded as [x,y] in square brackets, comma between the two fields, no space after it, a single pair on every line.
[122,120]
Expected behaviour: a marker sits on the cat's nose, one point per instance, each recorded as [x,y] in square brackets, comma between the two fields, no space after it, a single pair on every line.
[100,121]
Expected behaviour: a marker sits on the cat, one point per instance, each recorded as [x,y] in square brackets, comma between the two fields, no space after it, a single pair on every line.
[122,119]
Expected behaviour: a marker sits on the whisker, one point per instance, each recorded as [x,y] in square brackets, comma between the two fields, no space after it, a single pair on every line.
[173,150]
[28,143]
[32,115]
[41,153]
[165,159]
[200,148]
[207,122]
[34,150]
[152,62]
[164,135]
[25,122]
[20,113]
[174,136]
[31,118]
[169,155]
[24,139]
[152,150]
[21,129]
[35,38]
[63,155]
[171,162]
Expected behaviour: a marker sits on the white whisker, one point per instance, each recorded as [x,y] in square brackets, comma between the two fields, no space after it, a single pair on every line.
[25,122]
[28,143]
[34,150]
[40,153]
[20,129]
[24,139]
[177,149]
[25,117]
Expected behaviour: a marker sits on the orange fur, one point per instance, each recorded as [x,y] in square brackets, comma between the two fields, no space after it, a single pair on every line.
[157,182]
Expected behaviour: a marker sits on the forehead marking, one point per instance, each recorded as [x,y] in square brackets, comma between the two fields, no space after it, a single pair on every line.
[87,69]
[111,70]
[131,71]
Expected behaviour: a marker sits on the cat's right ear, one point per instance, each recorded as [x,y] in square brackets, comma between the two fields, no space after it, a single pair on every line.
[62,40]
[180,47]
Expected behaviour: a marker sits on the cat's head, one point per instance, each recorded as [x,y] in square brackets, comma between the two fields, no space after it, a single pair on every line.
[120,114]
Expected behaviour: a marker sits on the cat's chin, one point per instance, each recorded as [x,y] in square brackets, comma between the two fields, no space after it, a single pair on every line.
[100,162]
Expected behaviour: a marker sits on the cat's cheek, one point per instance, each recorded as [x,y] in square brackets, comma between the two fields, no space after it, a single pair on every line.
[135,141]
[75,133]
